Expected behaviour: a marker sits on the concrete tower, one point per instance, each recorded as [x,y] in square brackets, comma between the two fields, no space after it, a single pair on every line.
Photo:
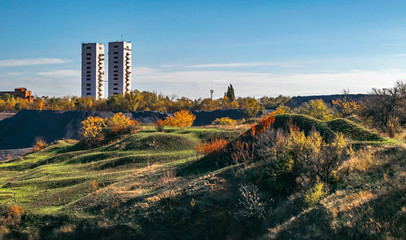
[119,67]
[93,70]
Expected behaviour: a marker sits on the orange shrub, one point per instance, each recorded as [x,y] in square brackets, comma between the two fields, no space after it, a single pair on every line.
[262,125]
[38,145]
[119,123]
[14,214]
[159,125]
[182,118]
[217,145]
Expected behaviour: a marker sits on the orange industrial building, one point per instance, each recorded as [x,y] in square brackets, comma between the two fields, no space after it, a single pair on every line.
[20,93]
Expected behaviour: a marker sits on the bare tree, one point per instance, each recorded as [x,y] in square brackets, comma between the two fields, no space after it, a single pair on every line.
[385,105]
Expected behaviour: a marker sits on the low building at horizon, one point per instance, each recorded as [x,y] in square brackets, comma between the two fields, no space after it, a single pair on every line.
[19,93]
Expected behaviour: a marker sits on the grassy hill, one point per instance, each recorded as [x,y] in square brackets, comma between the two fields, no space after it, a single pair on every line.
[142,186]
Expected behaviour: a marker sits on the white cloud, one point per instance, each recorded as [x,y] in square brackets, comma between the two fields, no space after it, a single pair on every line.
[234,65]
[60,73]
[30,62]
[197,84]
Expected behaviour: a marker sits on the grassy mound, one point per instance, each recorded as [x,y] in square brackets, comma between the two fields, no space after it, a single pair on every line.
[305,123]
[353,131]
[151,185]
[155,142]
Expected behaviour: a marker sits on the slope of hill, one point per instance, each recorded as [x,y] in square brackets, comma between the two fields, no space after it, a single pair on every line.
[138,188]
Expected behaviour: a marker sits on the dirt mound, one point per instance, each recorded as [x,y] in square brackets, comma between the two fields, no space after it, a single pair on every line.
[295,102]
[21,130]
[207,117]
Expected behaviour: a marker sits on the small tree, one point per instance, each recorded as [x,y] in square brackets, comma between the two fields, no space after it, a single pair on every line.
[133,99]
[119,124]
[182,118]
[92,129]
[230,93]
[317,109]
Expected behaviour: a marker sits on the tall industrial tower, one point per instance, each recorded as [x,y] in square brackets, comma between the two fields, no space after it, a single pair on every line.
[119,67]
[93,70]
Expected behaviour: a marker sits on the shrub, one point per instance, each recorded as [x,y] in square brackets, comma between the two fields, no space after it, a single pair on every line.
[278,111]
[215,146]
[92,129]
[159,125]
[317,109]
[393,127]
[361,162]
[224,121]
[250,204]
[11,216]
[242,152]
[168,177]
[39,144]
[262,125]
[346,108]
[314,195]
[120,124]
[182,118]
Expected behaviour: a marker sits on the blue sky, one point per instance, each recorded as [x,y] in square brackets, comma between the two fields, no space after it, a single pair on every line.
[186,48]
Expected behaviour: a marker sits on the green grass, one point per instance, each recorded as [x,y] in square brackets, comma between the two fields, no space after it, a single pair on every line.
[145,183]
[50,180]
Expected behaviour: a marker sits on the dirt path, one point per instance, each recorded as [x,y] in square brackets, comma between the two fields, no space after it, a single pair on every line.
[8,154]
[6,115]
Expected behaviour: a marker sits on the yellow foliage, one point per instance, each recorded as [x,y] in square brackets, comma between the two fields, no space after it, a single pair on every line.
[346,108]
[119,122]
[182,118]
[317,109]
[224,121]
[278,110]
[314,196]
[92,128]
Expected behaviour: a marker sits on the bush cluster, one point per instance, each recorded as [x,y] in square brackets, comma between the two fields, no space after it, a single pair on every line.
[96,129]
[182,118]
[224,121]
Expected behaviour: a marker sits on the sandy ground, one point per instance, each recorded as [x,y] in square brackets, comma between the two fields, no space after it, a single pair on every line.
[9,154]
[6,115]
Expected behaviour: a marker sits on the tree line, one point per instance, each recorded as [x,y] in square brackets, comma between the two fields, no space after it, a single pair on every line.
[142,101]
